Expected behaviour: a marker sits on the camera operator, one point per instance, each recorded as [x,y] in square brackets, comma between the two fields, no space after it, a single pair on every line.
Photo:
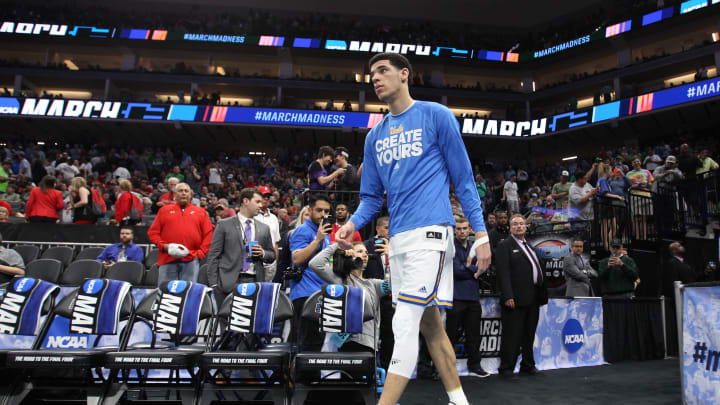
[347,268]
[307,240]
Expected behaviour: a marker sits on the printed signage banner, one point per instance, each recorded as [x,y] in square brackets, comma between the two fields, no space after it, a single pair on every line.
[701,345]
[569,334]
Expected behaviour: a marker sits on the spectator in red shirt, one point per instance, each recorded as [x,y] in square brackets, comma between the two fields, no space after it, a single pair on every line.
[169,197]
[44,202]
[341,217]
[183,233]
[124,204]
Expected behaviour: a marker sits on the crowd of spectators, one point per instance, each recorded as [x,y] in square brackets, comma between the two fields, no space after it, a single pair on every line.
[546,193]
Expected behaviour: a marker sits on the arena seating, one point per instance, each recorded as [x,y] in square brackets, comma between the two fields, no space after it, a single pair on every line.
[79,270]
[254,365]
[356,370]
[90,253]
[27,252]
[45,269]
[79,369]
[132,272]
[64,254]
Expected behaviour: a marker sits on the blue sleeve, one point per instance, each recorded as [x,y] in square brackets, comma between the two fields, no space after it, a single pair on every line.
[371,188]
[298,240]
[458,164]
[136,255]
[104,255]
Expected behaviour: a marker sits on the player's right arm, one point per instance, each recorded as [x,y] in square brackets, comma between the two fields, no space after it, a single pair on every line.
[371,195]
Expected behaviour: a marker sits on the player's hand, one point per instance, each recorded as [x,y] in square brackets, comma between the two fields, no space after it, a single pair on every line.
[344,235]
[482,253]
[510,303]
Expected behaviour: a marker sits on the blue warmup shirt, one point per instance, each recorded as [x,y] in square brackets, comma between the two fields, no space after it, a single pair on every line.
[414,156]
[310,282]
[133,253]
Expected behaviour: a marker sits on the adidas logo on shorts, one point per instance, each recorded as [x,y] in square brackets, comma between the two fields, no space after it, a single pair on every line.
[422,290]
[433,235]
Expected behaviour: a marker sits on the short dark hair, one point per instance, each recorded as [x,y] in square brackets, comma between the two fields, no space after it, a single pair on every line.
[325,151]
[385,219]
[128,227]
[398,61]
[341,150]
[579,173]
[577,240]
[500,212]
[248,193]
[318,197]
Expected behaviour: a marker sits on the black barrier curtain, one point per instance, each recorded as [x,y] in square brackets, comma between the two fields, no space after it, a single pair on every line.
[632,329]
[68,233]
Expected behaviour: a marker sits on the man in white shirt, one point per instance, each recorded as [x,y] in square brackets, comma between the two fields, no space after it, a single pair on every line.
[510,194]
[269,219]
[121,174]
[581,197]
[69,171]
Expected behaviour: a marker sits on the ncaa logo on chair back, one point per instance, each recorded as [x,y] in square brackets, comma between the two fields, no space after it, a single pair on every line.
[241,314]
[332,309]
[85,307]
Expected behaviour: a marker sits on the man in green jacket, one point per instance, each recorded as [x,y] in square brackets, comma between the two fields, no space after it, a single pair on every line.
[618,273]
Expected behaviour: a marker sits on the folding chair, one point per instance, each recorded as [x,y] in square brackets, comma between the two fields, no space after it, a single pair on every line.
[356,369]
[243,359]
[62,253]
[181,311]
[45,269]
[80,270]
[132,272]
[89,253]
[94,310]
[27,252]
[150,279]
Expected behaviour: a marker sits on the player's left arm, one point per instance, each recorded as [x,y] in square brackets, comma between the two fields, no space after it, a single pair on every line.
[458,163]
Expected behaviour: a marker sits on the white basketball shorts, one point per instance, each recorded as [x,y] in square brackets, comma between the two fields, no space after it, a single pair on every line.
[421,261]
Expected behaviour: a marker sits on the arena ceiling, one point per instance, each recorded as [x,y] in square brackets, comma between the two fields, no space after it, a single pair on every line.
[513,14]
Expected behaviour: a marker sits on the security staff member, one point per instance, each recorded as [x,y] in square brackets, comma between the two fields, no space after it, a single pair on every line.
[520,280]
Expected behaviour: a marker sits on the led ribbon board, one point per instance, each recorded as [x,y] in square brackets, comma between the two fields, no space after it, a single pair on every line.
[116,110]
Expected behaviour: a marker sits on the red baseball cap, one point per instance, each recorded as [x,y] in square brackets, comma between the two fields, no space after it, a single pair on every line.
[264,190]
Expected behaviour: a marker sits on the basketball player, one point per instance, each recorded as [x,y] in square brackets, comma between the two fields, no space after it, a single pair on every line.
[413,154]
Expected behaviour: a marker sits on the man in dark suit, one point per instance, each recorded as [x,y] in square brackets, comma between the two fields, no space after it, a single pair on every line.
[228,263]
[677,270]
[520,280]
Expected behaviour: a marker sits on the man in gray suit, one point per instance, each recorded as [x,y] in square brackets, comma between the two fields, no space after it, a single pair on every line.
[578,272]
[227,261]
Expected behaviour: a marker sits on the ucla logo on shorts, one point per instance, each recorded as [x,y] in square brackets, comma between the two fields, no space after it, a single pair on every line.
[246,289]
[573,335]
[93,286]
[335,290]
[24,284]
[177,286]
